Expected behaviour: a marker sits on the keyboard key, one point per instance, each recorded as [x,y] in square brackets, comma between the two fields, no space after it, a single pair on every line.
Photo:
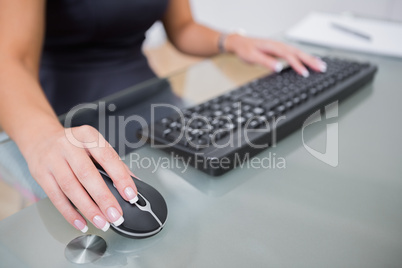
[270,114]
[185,140]
[195,133]
[174,136]
[246,108]
[281,109]
[230,126]
[227,109]
[269,106]
[241,120]
[166,121]
[313,91]
[252,101]
[218,113]
[166,132]
[238,95]
[254,124]
[215,106]
[197,123]
[258,110]
[262,119]
[236,105]
[219,134]
[175,126]
[202,141]
[249,115]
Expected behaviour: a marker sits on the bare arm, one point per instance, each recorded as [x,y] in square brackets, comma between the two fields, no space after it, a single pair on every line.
[187,35]
[64,171]
[21,32]
[192,38]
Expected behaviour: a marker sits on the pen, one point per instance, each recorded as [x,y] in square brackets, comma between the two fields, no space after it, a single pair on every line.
[347,29]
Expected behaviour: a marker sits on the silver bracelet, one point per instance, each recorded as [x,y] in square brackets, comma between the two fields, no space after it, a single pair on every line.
[224,36]
[221,42]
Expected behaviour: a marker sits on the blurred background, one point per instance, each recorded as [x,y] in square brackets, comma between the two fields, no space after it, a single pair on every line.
[260,18]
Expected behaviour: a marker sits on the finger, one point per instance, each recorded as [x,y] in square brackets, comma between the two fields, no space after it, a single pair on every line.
[73,190]
[296,64]
[270,46]
[313,62]
[107,157]
[116,169]
[62,204]
[130,172]
[266,61]
[286,52]
[90,178]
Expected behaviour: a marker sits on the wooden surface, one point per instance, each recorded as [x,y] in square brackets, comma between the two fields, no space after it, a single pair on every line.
[166,60]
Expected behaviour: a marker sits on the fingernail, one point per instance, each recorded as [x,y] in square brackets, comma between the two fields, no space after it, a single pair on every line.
[114,215]
[305,73]
[130,194]
[278,67]
[81,226]
[323,66]
[101,223]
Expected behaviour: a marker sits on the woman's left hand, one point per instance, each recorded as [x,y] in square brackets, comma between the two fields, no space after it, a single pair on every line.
[265,52]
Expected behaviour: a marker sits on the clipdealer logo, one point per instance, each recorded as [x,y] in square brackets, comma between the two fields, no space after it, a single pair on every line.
[330,156]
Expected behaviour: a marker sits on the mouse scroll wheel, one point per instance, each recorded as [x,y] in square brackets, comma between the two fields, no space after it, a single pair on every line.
[141,201]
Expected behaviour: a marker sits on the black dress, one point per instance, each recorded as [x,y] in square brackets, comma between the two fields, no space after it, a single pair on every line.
[92,48]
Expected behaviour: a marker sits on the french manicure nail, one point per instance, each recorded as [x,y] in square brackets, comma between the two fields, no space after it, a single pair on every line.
[81,226]
[130,194]
[114,215]
[305,73]
[101,223]
[278,67]
[323,66]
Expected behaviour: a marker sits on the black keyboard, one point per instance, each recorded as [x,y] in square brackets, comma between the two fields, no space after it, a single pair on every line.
[217,135]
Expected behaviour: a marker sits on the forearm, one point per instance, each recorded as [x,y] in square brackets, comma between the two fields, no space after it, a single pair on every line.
[187,35]
[25,113]
[196,39]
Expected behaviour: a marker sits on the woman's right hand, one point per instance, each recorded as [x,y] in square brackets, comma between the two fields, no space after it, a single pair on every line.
[62,164]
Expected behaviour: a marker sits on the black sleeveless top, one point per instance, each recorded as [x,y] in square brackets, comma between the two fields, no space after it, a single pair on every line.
[92,48]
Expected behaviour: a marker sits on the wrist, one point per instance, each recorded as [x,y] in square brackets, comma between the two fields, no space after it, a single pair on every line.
[32,135]
[227,41]
[232,41]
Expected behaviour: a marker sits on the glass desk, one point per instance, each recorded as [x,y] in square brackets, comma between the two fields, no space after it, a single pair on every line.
[306,214]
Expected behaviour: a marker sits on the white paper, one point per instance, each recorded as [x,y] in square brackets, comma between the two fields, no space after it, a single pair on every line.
[316,28]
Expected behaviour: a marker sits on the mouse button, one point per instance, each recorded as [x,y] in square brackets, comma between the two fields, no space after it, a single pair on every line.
[139,221]
[158,205]
[125,206]
[156,200]
[141,201]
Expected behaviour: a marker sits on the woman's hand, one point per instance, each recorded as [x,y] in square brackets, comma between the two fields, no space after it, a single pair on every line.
[265,52]
[62,165]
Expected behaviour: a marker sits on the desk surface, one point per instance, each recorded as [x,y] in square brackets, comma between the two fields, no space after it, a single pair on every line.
[307,214]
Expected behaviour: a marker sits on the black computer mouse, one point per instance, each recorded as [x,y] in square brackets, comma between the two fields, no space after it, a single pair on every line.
[144,218]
